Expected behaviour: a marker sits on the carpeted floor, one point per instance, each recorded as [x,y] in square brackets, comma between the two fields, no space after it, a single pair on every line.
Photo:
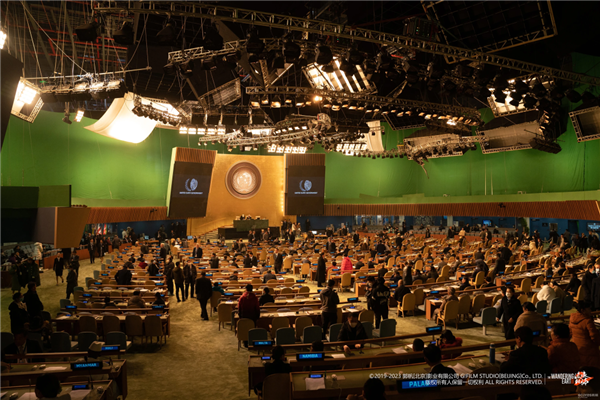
[198,359]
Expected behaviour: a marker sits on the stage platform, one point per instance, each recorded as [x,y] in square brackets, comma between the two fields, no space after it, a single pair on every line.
[229,232]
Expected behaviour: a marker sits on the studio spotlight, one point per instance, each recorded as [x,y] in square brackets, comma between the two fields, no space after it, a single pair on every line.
[66,119]
[264,100]
[539,90]
[276,102]
[521,87]
[254,45]
[355,57]
[278,62]
[291,51]
[87,32]
[124,35]
[529,102]
[300,101]
[255,102]
[168,33]
[2,39]
[348,68]
[187,68]
[323,55]
[515,101]
[328,69]
[79,115]
[212,40]
[573,96]
[500,96]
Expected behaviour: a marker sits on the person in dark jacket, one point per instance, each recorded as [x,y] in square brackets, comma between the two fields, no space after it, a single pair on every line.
[352,330]
[527,358]
[91,246]
[168,271]
[32,300]
[22,346]
[123,276]
[197,252]
[19,316]
[203,293]
[247,261]
[321,270]
[407,275]
[329,301]
[278,263]
[152,269]
[178,278]
[59,265]
[163,252]
[72,281]
[510,309]
[266,297]
[433,357]
[401,290]
[380,296]
[214,261]
[158,300]
[573,285]
[190,273]
[586,283]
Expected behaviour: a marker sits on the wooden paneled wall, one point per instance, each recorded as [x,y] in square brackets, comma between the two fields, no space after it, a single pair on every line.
[582,209]
[126,214]
[195,155]
[292,160]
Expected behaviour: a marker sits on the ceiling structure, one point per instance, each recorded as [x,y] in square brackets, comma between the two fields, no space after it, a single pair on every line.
[333,66]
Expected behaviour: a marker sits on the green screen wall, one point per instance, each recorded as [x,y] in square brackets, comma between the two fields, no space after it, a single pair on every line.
[108,172]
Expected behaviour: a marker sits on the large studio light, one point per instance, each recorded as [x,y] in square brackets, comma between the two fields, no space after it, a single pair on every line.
[119,122]
[124,35]
[28,101]
[2,39]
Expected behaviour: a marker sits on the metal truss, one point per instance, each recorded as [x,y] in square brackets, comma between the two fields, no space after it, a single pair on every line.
[325,28]
[581,137]
[199,53]
[367,98]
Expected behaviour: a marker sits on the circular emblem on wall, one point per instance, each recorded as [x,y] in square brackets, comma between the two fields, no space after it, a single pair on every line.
[243,180]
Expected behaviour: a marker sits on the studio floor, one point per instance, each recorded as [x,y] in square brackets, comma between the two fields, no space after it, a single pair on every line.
[198,359]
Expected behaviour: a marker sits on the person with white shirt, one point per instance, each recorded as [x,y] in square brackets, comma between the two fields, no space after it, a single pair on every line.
[546,293]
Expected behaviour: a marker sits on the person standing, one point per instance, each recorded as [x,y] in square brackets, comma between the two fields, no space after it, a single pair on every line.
[33,271]
[321,270]
[278,261]
[585,335]
[169,267]
[75,261]
[124,276]
[203,293]
[14,278]
[178,278]
[586,282]
[190,273]
[91,246]
[71,281]
[510,309]
[329,302]
[380,297]
[59,264]
[32,300]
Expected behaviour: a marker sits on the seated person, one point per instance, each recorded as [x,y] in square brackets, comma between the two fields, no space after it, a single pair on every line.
[268,276]
[234,277]
[530,318]
[448,340]
[489,282]
[546,293]
[433,358]
[217,288]
[47,386]
[527,358]
[464,283]
[266,297]
[563,354]
[399,293]
[418,345]
[449,297]
[22,346]
[108,303]
[278,365]
[158,300]
[351,331]
[136,301]
[396,277]
[373,389]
